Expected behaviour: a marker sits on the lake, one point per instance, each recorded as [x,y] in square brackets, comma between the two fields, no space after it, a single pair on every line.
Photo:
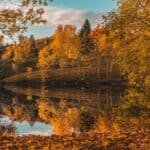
[46,111]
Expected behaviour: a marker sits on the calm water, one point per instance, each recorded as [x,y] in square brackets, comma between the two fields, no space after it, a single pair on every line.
[47,111]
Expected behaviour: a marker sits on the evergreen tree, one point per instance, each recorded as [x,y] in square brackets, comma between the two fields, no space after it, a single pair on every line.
[87,44]
[33,45]
[86,29]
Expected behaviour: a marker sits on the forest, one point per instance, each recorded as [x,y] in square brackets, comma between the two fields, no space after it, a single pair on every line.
[85,86]
[118,48]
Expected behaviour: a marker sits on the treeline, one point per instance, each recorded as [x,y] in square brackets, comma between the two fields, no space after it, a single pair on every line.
[66,48]
[79,112]
[124,36]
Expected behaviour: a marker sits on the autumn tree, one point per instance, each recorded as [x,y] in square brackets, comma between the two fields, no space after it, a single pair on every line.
[100,39]
[15,21]
[20,56]
[48,56]
[71,44]
[129,27]
[8,55]
[61,49]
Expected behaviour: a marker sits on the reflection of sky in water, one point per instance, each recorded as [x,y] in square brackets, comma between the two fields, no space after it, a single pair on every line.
[25,128]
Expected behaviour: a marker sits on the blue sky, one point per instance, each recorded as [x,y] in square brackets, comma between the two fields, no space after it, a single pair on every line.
[87,5]
[71,12]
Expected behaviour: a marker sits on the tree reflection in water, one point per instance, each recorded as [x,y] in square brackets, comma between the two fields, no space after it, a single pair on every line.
[6,127]
[74,111]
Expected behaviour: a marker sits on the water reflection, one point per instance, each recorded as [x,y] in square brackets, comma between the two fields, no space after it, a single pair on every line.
[10,127]
[63,111]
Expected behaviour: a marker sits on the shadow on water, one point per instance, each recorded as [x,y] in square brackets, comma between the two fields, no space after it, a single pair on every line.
[60,111]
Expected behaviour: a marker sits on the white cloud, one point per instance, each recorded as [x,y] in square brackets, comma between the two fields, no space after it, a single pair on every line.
[14,5]
[57,15]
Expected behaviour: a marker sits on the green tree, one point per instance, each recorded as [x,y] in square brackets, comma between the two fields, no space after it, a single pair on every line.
[86,29]
[33,46]
[87,43]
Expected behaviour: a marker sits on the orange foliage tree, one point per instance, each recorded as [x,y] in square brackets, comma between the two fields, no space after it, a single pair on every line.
[63,47]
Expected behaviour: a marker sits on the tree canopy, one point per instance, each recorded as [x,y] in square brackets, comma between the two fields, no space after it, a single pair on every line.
[129,32]
[15,21]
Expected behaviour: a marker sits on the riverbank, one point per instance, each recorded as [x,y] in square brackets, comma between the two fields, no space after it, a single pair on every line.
[94,141]
[70,77]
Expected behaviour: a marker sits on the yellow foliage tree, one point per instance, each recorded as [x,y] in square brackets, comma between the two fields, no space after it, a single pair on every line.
[63,47]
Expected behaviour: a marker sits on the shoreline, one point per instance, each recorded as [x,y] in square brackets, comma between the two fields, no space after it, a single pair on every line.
[67,83]
[93,141]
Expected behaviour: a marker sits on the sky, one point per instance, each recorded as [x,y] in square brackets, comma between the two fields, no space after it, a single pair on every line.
[87,5]
[71,12]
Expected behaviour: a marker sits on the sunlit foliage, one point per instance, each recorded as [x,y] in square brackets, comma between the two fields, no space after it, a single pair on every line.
[63,47]
[136,103]
[19,53]
[130,39]
[101,39]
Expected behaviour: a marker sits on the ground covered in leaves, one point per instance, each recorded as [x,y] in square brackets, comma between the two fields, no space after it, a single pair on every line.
[125,141]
